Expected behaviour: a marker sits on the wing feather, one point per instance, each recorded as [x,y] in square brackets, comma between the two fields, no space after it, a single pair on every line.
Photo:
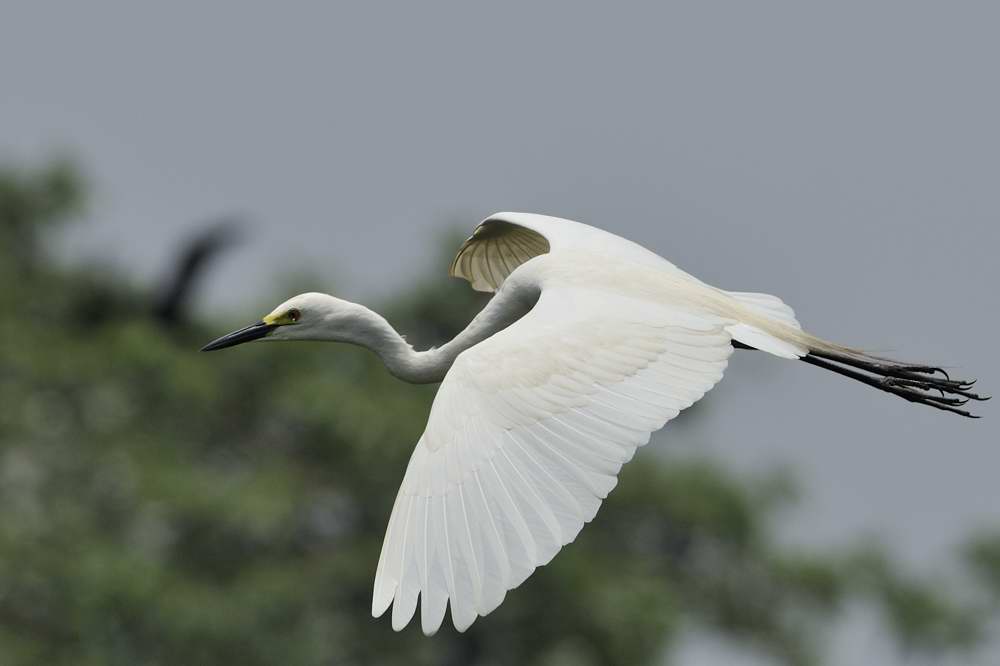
[494,250]
[504,241]
[527,435]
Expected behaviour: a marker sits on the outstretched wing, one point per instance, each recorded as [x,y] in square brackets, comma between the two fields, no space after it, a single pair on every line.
[526,437]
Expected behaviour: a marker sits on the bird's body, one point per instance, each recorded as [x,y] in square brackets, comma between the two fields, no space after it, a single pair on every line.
[590,344]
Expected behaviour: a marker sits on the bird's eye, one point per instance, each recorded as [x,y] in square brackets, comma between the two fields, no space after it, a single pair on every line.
[294,315]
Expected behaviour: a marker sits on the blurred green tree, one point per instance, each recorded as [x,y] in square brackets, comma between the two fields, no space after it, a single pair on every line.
[161,507]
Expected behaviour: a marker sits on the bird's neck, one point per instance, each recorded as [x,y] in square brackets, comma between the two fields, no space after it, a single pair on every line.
[425,367]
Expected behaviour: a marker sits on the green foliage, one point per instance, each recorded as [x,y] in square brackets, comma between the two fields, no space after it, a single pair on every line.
[921,617]
[31,202]
[160,506]
[983,554]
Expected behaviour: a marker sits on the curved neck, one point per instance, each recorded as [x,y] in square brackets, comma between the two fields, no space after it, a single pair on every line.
[424,367]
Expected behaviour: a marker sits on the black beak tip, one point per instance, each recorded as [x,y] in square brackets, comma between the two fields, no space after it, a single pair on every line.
[252,332]
[217,344]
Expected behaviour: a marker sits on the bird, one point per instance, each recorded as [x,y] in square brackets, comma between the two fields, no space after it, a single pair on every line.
[172,305]
[589,344]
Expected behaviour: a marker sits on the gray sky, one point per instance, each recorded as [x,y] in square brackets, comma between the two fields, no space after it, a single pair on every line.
[845,157]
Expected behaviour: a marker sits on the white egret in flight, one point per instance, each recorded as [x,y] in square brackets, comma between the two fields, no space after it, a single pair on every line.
[590,344]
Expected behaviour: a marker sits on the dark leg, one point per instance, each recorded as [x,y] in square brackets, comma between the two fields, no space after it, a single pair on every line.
[922,384]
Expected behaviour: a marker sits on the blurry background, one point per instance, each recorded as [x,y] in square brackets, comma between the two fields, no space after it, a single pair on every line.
[172,172]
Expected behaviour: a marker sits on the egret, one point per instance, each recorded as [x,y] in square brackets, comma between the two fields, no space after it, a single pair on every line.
[589,345]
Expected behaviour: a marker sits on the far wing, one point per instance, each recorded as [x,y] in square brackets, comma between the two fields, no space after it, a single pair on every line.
[525,438]
[504,241]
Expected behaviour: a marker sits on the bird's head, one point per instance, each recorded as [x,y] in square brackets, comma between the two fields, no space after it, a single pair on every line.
[310,316]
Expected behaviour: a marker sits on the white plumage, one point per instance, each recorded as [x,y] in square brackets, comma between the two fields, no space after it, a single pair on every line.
[531,426]
[590,344]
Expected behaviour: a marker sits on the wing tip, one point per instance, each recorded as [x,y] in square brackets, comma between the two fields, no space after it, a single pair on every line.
[400,618]
[380,606]
[429,624]
[461,622]
[430,629]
